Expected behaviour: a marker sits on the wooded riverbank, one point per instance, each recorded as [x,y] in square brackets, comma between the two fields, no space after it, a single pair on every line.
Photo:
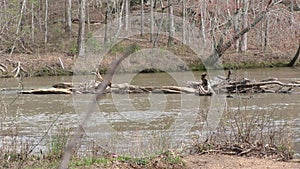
[56,64]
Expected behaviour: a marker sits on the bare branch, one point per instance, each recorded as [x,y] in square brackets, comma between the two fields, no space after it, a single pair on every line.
[99,93]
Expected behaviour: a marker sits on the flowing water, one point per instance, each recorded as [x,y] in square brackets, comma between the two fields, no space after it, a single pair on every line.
[137,117]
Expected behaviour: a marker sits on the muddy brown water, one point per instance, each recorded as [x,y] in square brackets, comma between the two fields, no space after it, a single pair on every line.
[26,118]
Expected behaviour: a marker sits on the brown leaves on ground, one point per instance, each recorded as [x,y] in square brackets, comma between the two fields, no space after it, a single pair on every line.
[218,161]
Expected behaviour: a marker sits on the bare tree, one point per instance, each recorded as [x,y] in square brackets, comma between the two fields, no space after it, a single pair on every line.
[237,22]
[99,93]
[46,23]
[80,40]
[18,27]
[244,39]
[266,33]
[183,21]
[221,48]
[171,23]
[120,14]
[4,14]
[151,21]
[32,23]
[142,17]
[88,19]
[127,10]
[105,25]
[202,13]
[68,17]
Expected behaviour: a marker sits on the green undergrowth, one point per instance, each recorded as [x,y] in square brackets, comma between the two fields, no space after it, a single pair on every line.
[166,159]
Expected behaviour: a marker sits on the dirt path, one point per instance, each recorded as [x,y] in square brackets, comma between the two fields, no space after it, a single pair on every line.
[232,162]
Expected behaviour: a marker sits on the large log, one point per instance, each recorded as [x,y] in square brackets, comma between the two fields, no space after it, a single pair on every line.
[181,89]
[270,85]
[47,91]
[258,84]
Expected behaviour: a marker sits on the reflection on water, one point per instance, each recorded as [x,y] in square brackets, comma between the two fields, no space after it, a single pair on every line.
[145,115]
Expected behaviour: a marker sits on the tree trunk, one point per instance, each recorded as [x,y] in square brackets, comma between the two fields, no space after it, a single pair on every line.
[244,39]
[80,40]
[4,10]
[151,21]
[127,14]
[266,31]
[68,22]
[237,22]
[88,18]
[32,23]
[23,18]
[171,23]
[295,58]
[98,4]
[183,22]
[18,26]
[120,13]
[46,23]
[142,17]
[220,49]
[105,26]
[202,13]
[39,15]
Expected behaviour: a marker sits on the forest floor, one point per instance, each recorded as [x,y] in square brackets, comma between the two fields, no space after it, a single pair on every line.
[205,161]
[225,162]
[213,161]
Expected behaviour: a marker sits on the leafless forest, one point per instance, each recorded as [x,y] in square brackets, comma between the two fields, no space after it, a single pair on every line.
[46,26]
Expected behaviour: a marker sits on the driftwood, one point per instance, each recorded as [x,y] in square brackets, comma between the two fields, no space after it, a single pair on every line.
[201,88]
[126,88]
[69,88]
[265,86]
[18,70]
[47,91]
[3,68]
[241,86]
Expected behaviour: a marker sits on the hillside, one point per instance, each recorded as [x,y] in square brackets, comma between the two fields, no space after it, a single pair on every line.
[36,32]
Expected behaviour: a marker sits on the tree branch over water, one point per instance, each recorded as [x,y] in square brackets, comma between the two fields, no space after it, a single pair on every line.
[93,103]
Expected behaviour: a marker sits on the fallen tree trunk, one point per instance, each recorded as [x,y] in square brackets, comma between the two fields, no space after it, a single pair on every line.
[270,85]
[258,84]
[47,91]
[221,48]
[243,86]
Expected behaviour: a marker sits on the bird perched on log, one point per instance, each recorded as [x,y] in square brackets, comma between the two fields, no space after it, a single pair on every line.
[228,75]
[99,78]
[204,81]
